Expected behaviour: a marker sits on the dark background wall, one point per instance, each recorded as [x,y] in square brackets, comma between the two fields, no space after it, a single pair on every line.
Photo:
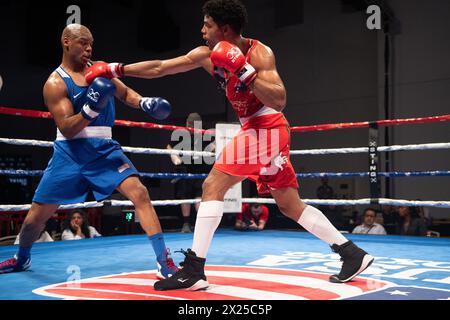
[420,88]
[332,66]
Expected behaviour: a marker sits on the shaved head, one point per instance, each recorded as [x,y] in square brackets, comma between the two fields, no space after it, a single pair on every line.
[75,31]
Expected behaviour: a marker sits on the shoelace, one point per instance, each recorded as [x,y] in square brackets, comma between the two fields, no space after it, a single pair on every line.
[185,254]
[169,261]
[170,264]
[182,251]
[8,263]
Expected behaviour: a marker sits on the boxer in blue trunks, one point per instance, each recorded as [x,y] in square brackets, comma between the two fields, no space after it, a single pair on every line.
[85,156]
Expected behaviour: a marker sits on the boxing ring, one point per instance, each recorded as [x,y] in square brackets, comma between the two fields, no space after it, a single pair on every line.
[266,265]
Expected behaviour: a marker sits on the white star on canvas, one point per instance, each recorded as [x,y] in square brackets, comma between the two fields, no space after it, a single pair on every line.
[398,293]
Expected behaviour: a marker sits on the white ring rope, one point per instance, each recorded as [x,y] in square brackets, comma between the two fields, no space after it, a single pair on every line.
[366,201]
[23,142]
[410,147]
[95,204]
[49,144]
[156,203]
[169,152]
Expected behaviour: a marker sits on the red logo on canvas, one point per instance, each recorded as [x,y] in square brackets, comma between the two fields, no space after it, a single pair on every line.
[226,283]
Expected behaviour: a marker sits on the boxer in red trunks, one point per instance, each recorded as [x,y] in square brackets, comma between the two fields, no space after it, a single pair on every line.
[246,70]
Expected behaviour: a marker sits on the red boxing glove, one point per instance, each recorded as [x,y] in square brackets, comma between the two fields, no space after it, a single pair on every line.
[230,57]
[103,70]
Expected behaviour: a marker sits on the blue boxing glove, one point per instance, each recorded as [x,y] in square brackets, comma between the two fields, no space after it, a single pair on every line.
[158,108]
[97,97]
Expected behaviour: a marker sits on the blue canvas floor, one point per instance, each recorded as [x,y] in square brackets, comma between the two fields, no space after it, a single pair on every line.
[264,265]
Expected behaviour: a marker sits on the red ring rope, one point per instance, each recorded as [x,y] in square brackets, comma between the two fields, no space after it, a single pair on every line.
[320,127]
[124,123]
[365,124]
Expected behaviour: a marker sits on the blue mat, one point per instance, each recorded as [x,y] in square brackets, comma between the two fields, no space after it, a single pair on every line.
[415,268]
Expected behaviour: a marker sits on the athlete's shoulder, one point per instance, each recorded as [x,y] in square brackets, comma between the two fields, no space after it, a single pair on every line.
[262,48]
[54,85]
[204,50]
[262,56]
[200,56]
[199,53]
[54,80]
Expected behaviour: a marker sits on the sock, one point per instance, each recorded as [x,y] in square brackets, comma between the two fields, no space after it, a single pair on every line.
[208,219]
[316,223]
[23,254]
[159,247]
[185,219]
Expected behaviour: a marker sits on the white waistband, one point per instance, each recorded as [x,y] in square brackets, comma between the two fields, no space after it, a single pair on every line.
[88,132]
[261,112]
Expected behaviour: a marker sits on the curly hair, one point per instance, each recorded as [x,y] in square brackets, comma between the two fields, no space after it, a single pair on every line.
[223,12]
[84,227]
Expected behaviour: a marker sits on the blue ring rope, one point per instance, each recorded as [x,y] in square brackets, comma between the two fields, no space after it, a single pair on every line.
[191,176]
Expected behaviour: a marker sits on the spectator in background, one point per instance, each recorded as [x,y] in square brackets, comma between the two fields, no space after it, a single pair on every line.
[78,227]
[391,218]
[424,214]
[333,213]
[253,217]
[369,226]
[379,218]
[411,224]
[336,216]
[190,188]
[325,191]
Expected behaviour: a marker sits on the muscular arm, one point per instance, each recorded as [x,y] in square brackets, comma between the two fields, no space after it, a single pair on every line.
[127,95]
[199,57]
[59,105]
[268,86]
[124,93]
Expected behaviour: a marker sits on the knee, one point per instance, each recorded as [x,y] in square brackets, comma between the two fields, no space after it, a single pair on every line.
[285,209]
[140,195]
[291,210]
[206,185]
[208,188]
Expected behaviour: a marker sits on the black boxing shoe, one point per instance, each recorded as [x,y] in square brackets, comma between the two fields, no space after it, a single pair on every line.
[355,260]
[190,277]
